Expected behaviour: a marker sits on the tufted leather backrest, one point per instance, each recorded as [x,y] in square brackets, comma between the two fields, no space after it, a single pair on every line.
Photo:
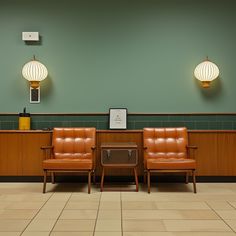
[165,142]
[73,142]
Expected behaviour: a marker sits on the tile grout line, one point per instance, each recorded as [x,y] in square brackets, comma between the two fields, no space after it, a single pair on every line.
[231,205]
[60,214]
[95,224]
[122,231]
[220,217]
[36,214]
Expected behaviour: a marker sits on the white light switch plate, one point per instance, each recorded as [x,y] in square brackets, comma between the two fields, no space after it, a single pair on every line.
[30,36]
[34,95]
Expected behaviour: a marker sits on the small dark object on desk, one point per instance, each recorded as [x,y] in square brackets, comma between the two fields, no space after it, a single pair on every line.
[46,129]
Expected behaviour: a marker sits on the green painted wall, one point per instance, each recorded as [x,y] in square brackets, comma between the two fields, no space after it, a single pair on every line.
[124,53]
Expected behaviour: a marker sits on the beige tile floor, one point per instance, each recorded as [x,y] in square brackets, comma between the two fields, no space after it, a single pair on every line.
[67,209]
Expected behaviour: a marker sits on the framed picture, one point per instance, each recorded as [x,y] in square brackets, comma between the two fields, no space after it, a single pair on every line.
[117,118]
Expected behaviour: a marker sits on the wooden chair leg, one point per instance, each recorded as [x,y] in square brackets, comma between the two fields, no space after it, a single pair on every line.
[148,180]
[44,180]
[102,179]
[136,178]
[186,178]
[94,177]
[194,182]
[89,181]
[53,177]
[145,177]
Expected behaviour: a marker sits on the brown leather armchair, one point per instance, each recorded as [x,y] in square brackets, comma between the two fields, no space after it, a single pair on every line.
[72,150]
[167,150]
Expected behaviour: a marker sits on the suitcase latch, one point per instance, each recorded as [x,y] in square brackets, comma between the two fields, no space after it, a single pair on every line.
[129,153]
[108,154]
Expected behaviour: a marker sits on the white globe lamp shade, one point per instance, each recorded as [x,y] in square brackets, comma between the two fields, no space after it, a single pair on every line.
[34,71]
[206,72]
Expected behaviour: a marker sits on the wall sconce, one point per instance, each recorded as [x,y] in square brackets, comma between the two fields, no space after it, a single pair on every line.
[206,72]
[34,71]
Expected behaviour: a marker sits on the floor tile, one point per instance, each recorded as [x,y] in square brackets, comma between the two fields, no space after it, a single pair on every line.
[67,209]
[36,197]
[48,214]
[79,214]
[71,233]
[57,205]
[178,234]
[81,205]
[74,225]
[85,197]
[60,197]
[233,203]
[140,197]
[219,205]
[227,214]
[203,234]
[13,225]
[108,233]
[232,224]
[143,225]
[6,204]
[147,234]
[198,214]
[18,214]
[26,206]
[196,225]
[109,215]
[10,233]
[108,225]
[142,205]
[39,225]
[26,233]
[172,205]
[109,205]
[110,196]
[168,214]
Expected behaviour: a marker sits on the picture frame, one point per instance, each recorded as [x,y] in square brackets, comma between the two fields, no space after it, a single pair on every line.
[118,118]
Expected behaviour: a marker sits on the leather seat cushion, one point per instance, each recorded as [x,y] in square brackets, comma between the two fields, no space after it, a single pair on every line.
[67,164]
[171,164]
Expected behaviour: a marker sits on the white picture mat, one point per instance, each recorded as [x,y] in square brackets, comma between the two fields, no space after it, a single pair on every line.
[118,118]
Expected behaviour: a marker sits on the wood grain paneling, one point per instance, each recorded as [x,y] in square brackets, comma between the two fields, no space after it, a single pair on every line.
[10,154]
[226,150]
[206,154]
[32,156]
[20,153]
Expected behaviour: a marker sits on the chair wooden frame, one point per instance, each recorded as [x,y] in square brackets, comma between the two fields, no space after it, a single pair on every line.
[159,171]
[147,172]
[47,155]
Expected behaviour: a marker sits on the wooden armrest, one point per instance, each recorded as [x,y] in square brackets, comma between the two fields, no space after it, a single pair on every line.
[47,150]
[46,147]
[93,148]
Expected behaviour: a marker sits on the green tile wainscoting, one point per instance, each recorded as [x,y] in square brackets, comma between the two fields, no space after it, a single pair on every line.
[195,121]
